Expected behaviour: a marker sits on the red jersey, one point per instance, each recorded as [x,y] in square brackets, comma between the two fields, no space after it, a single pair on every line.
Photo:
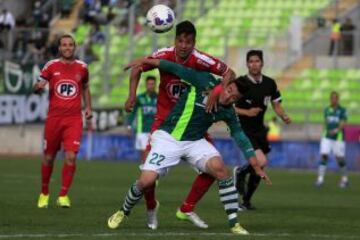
[66,81]
[171,87]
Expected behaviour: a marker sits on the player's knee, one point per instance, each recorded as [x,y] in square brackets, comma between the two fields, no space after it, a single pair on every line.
[70,158]
[48,159]
[218,169]
[147,180]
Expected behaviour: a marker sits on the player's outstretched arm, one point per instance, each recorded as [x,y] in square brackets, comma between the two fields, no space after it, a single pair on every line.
[134,82]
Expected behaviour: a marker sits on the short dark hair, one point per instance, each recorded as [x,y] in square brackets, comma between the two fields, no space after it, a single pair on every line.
[334,93]
[150,78]
[66,35]
[253,52]
[186,27]
[242,84]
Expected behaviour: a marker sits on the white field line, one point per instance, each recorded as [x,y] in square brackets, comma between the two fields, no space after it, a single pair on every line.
[169,234]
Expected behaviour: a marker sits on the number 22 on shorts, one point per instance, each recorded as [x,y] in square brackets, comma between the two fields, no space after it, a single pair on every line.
[156,159]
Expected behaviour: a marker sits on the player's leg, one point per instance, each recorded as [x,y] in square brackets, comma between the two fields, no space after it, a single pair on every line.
[200,186]
[339,151]
[253,181]
[133,196]
[206,158]
[72,131]
[325,148]
[164,153]
[52,141]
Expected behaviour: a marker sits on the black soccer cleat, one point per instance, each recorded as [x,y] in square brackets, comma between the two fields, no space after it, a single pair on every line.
[246,206]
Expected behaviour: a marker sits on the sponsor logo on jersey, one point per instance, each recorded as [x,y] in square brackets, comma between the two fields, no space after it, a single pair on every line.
[76,142]
[66,89]
[56,73]
[175,89]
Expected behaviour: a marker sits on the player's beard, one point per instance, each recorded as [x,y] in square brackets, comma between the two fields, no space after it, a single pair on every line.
[68,56]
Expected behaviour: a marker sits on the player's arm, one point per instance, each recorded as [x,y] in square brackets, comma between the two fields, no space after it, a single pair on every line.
[343,119]
[251,112]
[43,79]
[228,75]
[276,104]
[245,145]
[135,75]
[132,115]
[87,100]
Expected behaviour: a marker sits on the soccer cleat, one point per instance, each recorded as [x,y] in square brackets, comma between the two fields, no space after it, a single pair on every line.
[43,201]
[319,183]
[152,221]
[191,217]
[64,201]
[239,230]
[344,184]
[246,206]
[115,220]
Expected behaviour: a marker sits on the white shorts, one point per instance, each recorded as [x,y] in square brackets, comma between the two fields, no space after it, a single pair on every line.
[141,141]
[328,146]
[166,152]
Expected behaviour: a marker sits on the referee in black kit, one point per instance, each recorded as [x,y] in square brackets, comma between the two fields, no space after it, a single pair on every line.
[251,110]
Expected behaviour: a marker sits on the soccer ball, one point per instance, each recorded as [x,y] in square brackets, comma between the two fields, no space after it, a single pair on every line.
[160,18]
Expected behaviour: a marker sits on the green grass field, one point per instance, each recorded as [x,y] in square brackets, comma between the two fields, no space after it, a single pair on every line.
[290,209]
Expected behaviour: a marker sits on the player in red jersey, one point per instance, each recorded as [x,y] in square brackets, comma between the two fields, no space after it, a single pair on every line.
[68,82]
[170,88]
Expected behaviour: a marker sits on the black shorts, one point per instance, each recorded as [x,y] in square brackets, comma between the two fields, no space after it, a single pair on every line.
[259,140]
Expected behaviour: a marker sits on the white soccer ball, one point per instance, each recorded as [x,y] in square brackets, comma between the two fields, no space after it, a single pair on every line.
[160,18]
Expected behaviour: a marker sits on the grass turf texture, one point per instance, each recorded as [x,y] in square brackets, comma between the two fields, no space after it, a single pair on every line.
[290,209]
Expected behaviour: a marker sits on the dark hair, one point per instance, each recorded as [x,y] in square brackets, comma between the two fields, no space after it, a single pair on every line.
[251,53]
[66,35]
[242,84]
[334,93]
[149,78]
[186,27]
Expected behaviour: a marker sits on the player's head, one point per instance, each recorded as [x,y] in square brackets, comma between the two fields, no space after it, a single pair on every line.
[334,98]
[254,62]
[234,90]
[184,39]
[67,45]
[150,84]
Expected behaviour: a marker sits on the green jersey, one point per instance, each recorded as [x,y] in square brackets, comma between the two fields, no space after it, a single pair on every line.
[144,112]
[333,118]
[188,120]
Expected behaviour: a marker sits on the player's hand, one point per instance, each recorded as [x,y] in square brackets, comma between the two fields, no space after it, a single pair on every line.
[88,113]
[286,119]
[253,112]
[39,86]
[135,63]
[264,177]
[211,104]
[129,104]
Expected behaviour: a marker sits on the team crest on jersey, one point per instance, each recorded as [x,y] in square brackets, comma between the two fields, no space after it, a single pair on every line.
[66,89]
[174,89]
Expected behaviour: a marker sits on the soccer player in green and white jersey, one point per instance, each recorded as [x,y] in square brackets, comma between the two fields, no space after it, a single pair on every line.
[144,113]
[182,135]
[333,139]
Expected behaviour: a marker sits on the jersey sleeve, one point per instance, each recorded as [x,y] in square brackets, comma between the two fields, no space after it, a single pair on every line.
[159,54]
[85,79]
[275,94]
[45,73]
[191,76]
[211,64]
[238,134]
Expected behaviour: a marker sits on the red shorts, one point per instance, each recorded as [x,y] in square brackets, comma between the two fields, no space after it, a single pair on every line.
[65,130]
[156,124]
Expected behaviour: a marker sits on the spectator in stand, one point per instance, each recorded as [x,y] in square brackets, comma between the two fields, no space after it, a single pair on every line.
[36,48]
[37,13]
[7,21]
[96,35]
[347,33]
[335,37]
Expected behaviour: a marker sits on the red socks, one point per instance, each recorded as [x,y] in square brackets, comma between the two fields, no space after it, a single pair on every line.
[68,173]
[200,186]
[46,171]
[150,198]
